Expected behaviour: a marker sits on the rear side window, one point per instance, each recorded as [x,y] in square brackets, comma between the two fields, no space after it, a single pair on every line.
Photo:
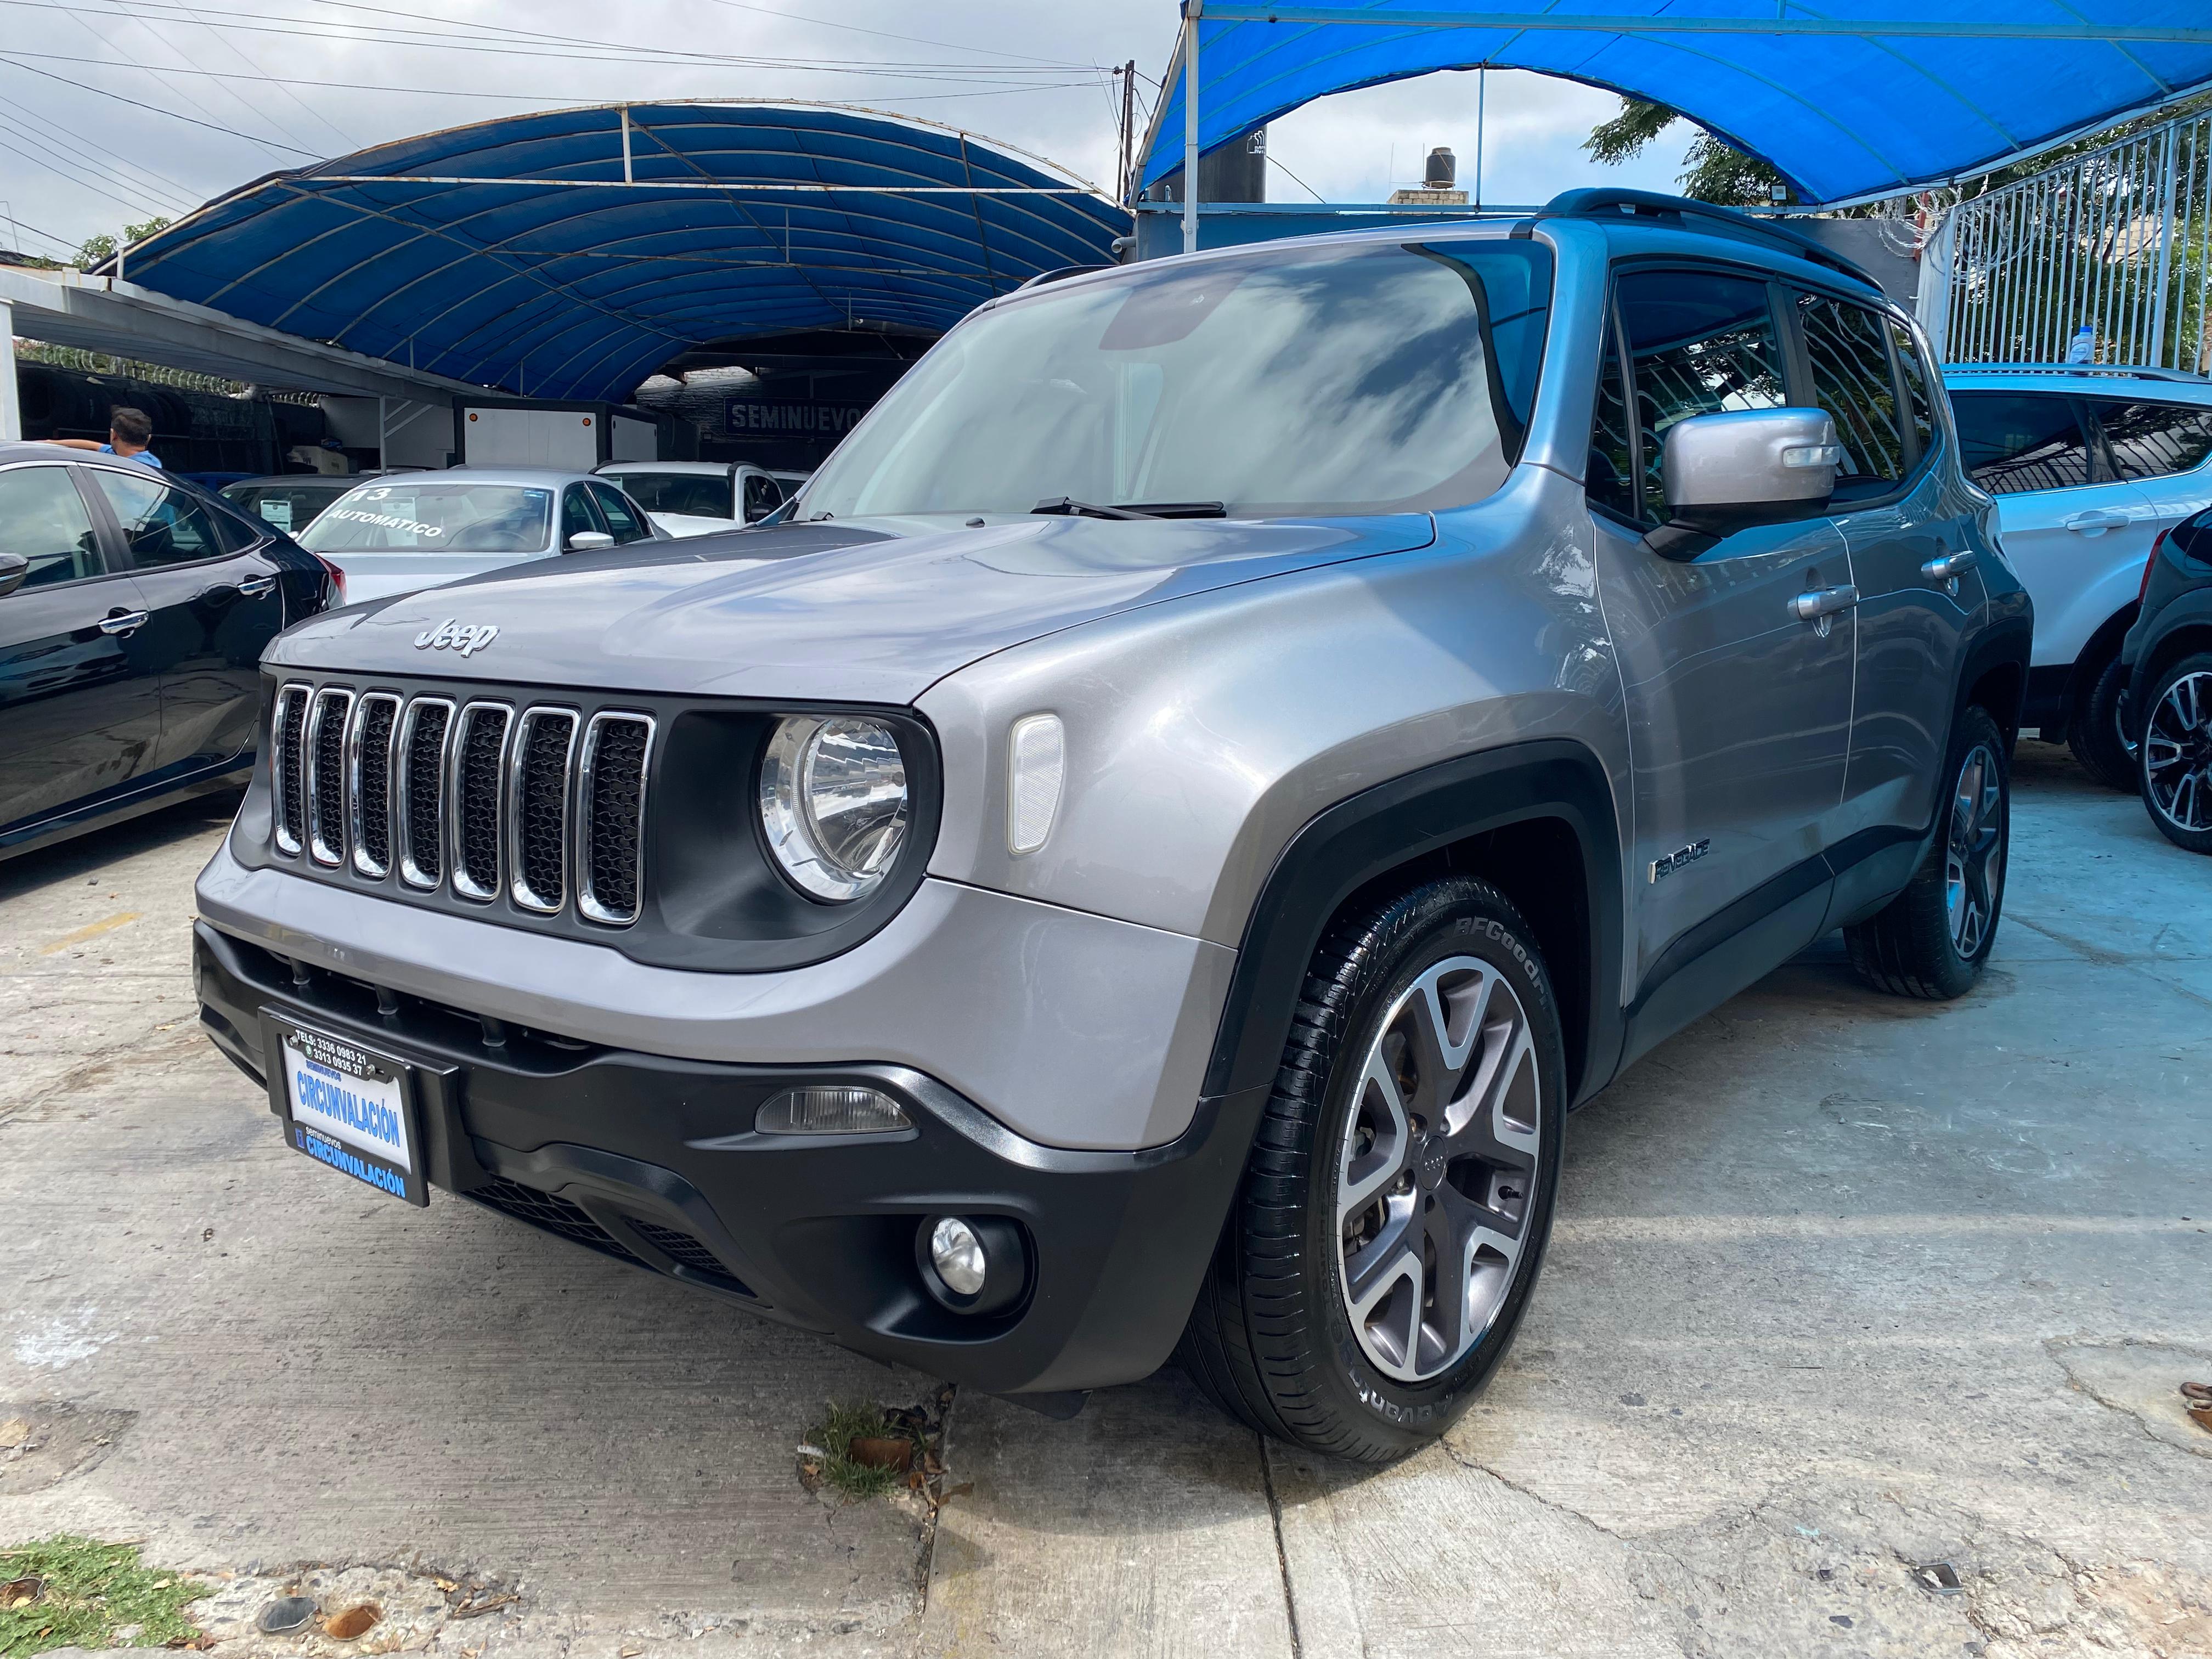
[2155,441]
[1849,352]
[2012,441]
[577,518]
[1699,343]
[694,494]
[162,525]
[1919,404]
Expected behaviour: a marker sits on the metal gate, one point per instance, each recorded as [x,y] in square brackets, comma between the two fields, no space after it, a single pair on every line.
[2119,239]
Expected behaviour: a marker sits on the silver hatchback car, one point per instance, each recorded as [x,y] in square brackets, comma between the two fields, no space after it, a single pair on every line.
[1146,847]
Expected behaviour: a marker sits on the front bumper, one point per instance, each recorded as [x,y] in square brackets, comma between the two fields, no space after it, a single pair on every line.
[655,1160]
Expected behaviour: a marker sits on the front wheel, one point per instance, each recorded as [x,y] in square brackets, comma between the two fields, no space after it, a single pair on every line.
[1933,938]
[2176,754]
[1398,1200]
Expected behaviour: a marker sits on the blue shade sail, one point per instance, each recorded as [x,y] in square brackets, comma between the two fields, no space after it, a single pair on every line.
[1845,114]
[513,254]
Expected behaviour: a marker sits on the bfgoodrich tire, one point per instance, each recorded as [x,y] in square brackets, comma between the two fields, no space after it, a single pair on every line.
[2176,754]
[1390,1224]
[2094,735]
[1932,939]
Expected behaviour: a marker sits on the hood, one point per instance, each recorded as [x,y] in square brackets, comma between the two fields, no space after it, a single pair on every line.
[867,610]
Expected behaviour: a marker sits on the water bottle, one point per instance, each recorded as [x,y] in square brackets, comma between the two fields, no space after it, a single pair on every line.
[2084,348]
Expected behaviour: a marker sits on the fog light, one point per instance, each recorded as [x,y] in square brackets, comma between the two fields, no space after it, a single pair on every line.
[957,1255]
[972,1264]
[831,1110]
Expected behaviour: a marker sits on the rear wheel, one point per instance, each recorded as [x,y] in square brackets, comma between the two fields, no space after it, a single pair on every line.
[1389,1230]
[1933,938]
[2175,755]
[2096,733]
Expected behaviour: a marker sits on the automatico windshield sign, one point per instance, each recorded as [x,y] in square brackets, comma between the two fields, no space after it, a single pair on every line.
[760,417]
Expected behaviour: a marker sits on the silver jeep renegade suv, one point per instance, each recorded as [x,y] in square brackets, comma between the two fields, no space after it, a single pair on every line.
[1147,846]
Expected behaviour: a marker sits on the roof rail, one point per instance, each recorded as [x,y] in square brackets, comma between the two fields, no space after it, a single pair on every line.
[2104,371]
[1060,273]
[1605,202]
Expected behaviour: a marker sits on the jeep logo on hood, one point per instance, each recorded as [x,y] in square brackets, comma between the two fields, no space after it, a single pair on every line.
[467,638]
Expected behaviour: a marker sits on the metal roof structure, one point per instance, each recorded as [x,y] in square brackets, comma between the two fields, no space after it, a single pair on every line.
[1850,100]
[568,253]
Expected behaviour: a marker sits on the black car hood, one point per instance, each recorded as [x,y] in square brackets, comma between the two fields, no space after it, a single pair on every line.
[868,610]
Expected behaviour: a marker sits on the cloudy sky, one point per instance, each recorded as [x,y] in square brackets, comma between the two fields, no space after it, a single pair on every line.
[113,110]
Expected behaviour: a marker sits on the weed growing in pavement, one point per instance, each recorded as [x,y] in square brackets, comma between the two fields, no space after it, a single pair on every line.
[838,1468]
[88,1591]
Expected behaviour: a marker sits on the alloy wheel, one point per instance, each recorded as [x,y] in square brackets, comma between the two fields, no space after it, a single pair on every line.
[1437,1168]
[2178,754]
[1973,858]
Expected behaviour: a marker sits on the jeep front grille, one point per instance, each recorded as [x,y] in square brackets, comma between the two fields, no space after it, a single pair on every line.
[545,807]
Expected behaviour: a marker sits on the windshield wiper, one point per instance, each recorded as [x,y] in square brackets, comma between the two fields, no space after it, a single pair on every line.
[1068,506]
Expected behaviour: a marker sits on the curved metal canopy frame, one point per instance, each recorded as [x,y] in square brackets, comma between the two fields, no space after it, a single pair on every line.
[1851,101]
[568,253]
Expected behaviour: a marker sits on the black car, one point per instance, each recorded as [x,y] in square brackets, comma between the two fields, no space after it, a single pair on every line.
[2168,655]
[133,612]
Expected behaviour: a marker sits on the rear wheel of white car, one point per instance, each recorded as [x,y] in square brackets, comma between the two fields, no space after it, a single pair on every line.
[1933,938]
[1395,1211]
[2176,754]
[2096,734]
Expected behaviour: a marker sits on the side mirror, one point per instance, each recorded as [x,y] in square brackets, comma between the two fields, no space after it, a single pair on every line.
[756,511]
[13,568]
[1727,472]
[589,541]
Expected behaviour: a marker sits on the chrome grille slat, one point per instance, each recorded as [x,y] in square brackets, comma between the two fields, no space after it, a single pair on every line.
[288,729]
[424,733]
[543,755]
[327,719]
[368,780]
[610,853]
[475,808]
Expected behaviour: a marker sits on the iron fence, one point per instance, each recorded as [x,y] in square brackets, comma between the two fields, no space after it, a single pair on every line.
[2119,238]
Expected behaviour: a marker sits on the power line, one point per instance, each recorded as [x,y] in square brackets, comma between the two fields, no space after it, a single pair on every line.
[824,22]
[109,42]
[149,181]
[77,180]
[148,200]
[101,92]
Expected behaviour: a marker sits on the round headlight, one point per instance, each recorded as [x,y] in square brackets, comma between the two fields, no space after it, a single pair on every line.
[833,799]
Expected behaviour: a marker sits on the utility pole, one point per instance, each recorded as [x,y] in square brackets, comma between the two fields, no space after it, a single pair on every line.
[1129,74]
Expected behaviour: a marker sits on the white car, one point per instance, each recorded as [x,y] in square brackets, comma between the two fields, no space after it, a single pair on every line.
[698,498]
[395,535]
[2089,465]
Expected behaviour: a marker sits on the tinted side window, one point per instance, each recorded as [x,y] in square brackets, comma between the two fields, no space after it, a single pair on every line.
[1610,474]
[43,519]
[622,517]
[161,525]
[2155,441]
[1698,343]
[762,496]
[2011,442]
[577,516]
[1849,350]
[1920,405]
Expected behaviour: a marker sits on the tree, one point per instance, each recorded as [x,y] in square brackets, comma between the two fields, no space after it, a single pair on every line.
[102,246]
[1711,170]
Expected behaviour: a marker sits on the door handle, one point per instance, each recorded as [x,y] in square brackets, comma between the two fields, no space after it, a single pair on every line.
[2095,522]
[1819,602]
[256,587]
[121,624]
[1945,570]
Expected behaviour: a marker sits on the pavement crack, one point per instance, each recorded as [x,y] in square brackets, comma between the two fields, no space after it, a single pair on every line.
[1282,1555]
[1466,1462]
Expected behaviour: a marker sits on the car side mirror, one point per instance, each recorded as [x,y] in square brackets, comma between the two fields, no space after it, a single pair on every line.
[589,541]
[13,568]
[756,511]
[1730,472]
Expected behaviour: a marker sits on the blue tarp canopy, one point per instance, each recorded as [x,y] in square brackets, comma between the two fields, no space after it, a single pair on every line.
[1850,100]
[529,253]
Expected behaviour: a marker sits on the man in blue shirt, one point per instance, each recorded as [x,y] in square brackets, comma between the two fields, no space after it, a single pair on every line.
[129,432]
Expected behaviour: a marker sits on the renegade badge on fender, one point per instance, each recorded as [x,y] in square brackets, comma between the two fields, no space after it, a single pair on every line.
[1146,848]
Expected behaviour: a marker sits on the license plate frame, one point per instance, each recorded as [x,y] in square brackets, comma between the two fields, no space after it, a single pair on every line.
[395,1089]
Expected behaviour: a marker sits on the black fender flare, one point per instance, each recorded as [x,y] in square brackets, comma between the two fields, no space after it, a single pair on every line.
[1390,825]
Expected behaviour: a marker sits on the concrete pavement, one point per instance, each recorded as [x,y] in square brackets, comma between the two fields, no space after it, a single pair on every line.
[1843,1285]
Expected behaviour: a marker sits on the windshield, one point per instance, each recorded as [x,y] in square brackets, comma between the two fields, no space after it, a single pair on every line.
[435,517]
[1327,380]
[289,507]
[698,494]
